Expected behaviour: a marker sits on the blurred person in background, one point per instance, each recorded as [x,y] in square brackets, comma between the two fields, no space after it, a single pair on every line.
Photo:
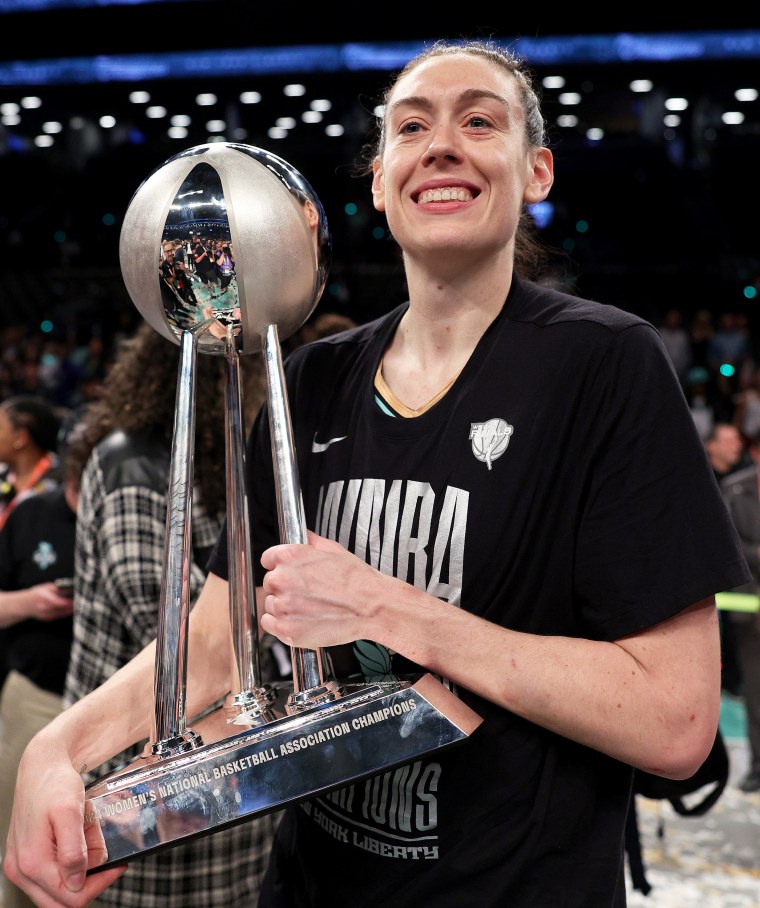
[728,455]
[84,370]
[725,449]
[205,267]
[741,493]
[728,352]
[702,331]
[64,373]
[36,590]
[122,452]
[677,342]
[29,427]
[225,263]
[700,401]
[747,409]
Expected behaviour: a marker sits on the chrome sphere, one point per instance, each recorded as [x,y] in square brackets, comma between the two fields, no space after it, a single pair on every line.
[244,200]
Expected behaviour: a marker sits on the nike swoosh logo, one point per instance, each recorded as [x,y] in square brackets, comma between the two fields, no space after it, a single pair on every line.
[320,447]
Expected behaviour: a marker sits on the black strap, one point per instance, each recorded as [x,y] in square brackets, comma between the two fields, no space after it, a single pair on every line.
[698,810]
[633,849]
[718,766]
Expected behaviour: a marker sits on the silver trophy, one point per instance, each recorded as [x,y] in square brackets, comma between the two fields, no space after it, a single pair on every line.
[266,746]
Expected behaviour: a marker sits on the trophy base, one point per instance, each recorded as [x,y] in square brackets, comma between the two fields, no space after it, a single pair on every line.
[156,802]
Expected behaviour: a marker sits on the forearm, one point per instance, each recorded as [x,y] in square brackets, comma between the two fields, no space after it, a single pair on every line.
[14,607]
[106,721]
[642,704]
[120,712]
[210,655]
[651,699]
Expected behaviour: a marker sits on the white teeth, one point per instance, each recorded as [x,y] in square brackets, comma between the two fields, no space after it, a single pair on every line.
[447,194]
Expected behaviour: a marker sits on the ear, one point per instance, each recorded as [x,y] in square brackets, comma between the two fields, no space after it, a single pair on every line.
[21,438]
[542,177]
[378,185]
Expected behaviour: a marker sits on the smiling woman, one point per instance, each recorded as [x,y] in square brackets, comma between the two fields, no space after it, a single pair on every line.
[545,535]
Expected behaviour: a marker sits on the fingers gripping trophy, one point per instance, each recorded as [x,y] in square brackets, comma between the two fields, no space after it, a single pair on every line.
[267,745]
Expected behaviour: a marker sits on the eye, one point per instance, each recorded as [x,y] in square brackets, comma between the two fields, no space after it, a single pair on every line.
[410,127]
[476,121]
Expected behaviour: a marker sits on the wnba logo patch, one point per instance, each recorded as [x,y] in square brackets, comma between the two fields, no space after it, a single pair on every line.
[490,439]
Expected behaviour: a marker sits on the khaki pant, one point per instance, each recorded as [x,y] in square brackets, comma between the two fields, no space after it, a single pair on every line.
[25,709]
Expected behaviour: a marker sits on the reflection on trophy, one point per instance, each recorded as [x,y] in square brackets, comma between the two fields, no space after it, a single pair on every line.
[267,745]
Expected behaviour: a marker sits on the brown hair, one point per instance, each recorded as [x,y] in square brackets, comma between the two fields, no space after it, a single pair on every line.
[138,396]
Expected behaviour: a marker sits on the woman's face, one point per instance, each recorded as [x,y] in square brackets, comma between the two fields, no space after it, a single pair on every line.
[456,167]
[10,436]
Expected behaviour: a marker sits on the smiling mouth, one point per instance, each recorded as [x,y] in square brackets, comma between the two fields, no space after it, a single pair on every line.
[445,194]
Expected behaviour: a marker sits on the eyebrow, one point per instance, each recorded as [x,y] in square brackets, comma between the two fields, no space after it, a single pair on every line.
[469,94]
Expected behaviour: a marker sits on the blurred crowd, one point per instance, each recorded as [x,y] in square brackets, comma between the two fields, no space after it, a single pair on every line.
[715,357]
[714,354]
[67,372]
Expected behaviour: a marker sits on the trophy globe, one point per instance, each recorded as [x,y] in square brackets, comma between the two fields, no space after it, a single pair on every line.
[238,196]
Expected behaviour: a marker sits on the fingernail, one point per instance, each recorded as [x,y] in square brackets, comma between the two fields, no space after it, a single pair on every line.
[75,882]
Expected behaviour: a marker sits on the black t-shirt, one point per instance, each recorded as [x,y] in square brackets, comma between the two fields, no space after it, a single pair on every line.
[202,259]
[558,488]
[37,546]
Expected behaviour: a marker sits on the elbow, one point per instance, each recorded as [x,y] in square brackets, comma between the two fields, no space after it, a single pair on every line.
[697,752]
[686,751]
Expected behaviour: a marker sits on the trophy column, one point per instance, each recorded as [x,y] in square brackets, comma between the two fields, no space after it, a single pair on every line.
[170,734]
[251,702]
[309,685]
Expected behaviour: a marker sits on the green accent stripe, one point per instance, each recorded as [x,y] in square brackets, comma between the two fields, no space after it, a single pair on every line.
[383,406]
[738,602]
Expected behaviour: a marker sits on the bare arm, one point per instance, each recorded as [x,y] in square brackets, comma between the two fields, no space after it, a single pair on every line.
[651,700]
[48,851]
[42,601]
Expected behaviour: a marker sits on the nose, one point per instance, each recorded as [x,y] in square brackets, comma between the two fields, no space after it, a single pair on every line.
[442,146]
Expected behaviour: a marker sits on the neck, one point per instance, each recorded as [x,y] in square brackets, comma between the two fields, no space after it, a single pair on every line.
[431,347]
[446,284]
[25,466]
[446,319]
[437,335]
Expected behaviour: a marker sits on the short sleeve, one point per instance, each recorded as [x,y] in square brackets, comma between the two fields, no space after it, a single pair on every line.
[655,535]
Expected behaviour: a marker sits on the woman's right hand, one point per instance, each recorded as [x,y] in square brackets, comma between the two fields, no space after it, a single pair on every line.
[49,850]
